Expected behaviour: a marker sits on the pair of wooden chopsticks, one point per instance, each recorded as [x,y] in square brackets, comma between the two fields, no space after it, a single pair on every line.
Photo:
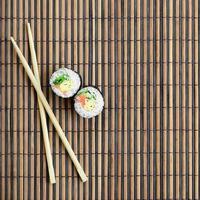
[44,104]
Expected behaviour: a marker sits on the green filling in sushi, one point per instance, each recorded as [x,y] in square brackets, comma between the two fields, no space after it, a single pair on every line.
[63,83]
[61,78]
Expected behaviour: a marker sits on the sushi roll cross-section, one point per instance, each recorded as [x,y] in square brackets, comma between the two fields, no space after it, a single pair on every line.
[89,102]
[65,82]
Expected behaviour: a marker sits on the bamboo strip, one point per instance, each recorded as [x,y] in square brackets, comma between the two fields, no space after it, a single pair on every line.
[8,100]
[2,172]
[15,138]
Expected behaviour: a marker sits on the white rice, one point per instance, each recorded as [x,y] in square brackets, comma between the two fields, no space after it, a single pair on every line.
[73,75]
[98,107]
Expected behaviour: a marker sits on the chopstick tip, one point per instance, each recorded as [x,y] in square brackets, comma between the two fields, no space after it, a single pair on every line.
[12,39]
[53,181]
[27,24]
[84,179]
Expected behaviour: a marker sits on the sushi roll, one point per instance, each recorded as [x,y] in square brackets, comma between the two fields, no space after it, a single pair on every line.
[65,82]
[89,102]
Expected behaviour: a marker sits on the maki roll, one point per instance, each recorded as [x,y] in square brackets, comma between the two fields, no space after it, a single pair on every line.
[65,82]
[89,102]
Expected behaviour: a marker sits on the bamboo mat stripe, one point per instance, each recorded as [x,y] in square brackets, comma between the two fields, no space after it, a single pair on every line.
[143,56]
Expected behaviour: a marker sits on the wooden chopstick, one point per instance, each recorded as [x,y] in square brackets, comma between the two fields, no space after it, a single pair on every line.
[50,113]
[42,111]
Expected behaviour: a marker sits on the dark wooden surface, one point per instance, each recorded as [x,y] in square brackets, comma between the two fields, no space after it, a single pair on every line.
[143,56]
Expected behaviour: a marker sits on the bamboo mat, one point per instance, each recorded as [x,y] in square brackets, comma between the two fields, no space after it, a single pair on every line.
[143,56]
